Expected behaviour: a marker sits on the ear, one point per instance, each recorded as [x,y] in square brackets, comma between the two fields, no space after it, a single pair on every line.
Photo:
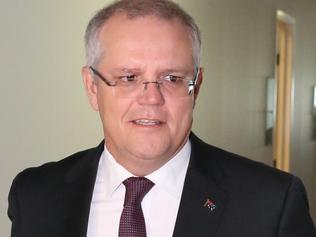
[91,87]
[198,83]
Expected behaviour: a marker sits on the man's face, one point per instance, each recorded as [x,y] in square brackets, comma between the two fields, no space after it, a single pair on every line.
[144,131]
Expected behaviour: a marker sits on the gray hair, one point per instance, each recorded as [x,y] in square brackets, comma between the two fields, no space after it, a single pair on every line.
[163,9]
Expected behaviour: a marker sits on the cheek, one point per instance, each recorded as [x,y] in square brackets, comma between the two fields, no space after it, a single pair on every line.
[181,114]
[93,97]
[105,107]
[112,110]
[101,101]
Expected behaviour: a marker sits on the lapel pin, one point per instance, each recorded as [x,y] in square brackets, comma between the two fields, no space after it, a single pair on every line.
[210,204]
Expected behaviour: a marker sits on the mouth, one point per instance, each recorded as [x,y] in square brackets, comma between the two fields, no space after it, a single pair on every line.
[147,122]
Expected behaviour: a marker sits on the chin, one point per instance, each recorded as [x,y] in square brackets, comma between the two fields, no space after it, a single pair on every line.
[150,151]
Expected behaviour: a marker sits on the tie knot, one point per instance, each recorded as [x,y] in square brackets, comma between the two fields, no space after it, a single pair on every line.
[136,189]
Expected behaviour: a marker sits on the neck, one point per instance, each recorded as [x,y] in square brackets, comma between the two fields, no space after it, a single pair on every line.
[140,166]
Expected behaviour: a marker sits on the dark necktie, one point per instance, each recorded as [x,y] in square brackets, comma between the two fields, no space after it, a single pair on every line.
[132,223]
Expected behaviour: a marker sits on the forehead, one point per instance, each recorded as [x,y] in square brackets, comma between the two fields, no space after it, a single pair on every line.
[145,35]
[121,21]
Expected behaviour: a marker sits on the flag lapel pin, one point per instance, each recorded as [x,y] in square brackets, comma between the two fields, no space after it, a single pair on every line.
[210,204]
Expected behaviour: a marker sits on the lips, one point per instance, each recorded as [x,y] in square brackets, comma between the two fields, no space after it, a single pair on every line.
[147,122]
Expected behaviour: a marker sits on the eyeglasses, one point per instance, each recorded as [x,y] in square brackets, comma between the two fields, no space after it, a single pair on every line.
[130,85]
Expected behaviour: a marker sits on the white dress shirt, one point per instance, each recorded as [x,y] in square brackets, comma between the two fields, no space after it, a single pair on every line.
[160,205]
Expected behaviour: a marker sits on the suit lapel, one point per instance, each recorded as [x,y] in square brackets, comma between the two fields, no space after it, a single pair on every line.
[76,198]
[203,198]
[196,216]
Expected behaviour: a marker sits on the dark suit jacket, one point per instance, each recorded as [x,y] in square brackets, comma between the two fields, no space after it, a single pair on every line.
[245,198]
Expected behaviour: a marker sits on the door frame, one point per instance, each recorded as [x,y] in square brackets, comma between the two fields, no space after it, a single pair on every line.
[284,74]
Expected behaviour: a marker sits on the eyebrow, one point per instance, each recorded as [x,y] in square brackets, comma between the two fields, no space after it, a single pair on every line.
[176,70]
[126,70]
[162,71]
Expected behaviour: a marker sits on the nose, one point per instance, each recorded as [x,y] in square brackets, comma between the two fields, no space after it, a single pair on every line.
[151,93]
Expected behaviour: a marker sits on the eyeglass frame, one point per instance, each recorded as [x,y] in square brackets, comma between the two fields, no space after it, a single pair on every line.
[191,85]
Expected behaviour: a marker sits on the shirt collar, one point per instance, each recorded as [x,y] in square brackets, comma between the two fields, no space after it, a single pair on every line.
[112,173]
[169,177]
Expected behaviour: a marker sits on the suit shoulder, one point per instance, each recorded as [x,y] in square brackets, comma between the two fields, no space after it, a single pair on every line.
[239,168]
[251,169]
[55,169]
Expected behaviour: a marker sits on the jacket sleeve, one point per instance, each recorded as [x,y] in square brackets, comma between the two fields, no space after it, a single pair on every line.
[13,209]
[295,218]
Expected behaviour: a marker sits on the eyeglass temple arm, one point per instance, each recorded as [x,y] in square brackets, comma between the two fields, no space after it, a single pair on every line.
[192,84]
[95,72]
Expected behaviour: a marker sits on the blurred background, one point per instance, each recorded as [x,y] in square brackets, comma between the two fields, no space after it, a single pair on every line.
[245,106]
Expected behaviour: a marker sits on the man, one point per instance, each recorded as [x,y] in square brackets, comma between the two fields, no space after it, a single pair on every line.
[143,77]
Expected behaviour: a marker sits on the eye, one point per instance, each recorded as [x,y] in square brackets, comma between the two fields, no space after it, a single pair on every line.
[173,78]
[128,78]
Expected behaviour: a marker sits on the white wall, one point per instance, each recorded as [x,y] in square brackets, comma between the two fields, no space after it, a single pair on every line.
[238,56]
[45,115]
[44,112]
